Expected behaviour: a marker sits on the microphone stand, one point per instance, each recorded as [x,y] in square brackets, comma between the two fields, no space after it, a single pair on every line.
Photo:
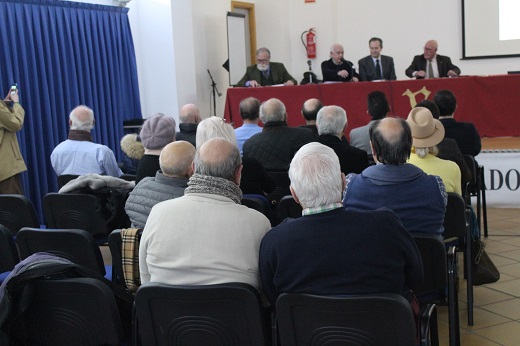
[310,70]
[214,91]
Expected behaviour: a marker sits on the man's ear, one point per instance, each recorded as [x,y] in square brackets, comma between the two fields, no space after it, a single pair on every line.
[373,154]
[294,196]
[238,175]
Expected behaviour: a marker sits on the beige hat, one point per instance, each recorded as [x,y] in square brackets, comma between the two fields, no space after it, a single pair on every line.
[426,131]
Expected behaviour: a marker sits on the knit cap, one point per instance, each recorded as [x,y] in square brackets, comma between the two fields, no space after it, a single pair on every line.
[158,131]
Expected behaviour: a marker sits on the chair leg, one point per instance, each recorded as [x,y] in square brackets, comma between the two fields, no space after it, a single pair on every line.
[484,207]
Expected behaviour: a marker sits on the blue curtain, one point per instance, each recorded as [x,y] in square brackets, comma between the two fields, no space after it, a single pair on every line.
[63,54]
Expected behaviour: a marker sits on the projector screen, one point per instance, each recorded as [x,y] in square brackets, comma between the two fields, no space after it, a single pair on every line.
[490,29]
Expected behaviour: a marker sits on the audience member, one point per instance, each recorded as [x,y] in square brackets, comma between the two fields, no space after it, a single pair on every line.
[465,134]
[189,117]
[310,110]
[255,179]
[332,124]
[431,65]
[333,251]
[157,132]
[417,198]
[206,236]
[378,108]
[448,148]
[376,66]
[266,72]
[337,69]
[11,121]
[79,154]
[176,162]
[427,132]
[133,150]
[249,111]
[277,143]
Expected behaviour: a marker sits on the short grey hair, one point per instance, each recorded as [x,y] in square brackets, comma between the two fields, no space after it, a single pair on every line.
[224,168]
[82,118]
[214,127]
[315,175]
[331,120]
[263,49]
[422,152]
[272,110]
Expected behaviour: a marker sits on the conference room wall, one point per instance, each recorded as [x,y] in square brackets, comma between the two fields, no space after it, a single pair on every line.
[404,26]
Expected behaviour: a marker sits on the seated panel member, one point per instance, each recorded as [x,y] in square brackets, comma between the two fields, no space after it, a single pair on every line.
[337,69]
[432,65]
[376,66]
[331,250]
[266,72]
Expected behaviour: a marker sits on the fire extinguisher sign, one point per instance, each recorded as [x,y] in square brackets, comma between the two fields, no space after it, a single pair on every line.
[306,1]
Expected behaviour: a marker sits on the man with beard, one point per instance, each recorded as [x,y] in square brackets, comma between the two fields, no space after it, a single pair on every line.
[266,72]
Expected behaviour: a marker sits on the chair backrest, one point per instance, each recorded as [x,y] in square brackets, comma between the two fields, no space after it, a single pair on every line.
[17,211]
[258,203]
[115,244]
[433,255]
[288,207]
[76,245]
[74,211]
[282,181]
[79,311]
[8,252]
[455,217]
[473,167]
[374,319]
[225,314]
[65,178]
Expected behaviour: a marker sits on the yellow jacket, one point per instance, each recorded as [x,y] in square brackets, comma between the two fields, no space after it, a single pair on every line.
[11,121]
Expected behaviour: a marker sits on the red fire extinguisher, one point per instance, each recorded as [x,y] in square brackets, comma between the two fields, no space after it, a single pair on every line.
[310,42]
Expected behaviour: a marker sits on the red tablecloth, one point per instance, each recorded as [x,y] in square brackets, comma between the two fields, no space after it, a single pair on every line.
[491,103]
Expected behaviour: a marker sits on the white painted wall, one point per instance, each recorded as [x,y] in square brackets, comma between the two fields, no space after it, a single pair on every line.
[178,40]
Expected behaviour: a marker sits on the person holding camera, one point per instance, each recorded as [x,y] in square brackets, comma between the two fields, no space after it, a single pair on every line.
[11,121]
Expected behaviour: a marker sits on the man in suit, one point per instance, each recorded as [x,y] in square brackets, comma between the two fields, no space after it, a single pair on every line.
[337,69]
[376,66]
[11,121]
[432,65]
[465,134]
[266,72]
[332,123]
[189,117]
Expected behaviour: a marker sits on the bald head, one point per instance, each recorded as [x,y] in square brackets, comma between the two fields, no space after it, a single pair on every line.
[272,110]
[81,118]
[189,113]
[220,158]
[391,140]
[176,159]
[310,110]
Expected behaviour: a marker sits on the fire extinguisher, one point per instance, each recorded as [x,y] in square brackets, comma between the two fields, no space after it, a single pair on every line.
[310,42]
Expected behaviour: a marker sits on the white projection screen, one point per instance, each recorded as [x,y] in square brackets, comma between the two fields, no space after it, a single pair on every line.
[490,29]
[237,50]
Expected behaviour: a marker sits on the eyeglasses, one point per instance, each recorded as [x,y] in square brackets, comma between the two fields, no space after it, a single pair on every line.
[428,49]
[262,61]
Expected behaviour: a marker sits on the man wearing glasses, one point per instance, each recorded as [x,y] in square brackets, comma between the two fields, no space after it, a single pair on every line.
[266,72]
[432,65]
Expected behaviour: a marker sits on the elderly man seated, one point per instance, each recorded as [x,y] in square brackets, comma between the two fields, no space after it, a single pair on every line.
[333,251]
[417,198]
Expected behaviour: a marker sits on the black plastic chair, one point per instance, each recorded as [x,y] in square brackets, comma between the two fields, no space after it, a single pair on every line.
[372,319]
[288,207]
[258,203]
[64,179]
[477,188]
[226,314]
[440,272]
[457,231]
[17,211]
[8,253]
[76,245]
[79,311]
[75,211]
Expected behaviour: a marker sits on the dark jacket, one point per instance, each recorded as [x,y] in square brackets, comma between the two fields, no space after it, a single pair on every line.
[188,133]
[278,75]
[465,134]
[275,146]
[330,71]
[443,63]
[351,159]
[367,69]
[449,150]
[148,166]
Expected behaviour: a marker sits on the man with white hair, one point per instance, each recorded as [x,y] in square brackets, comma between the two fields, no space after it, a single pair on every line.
[277,143]
[332,124]
[78,155]
[331,250]
[189,117]
[176,162]
[266,72]
[337,69]
[206,236]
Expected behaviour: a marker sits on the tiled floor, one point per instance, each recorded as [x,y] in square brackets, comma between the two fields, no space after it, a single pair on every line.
[496,306]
